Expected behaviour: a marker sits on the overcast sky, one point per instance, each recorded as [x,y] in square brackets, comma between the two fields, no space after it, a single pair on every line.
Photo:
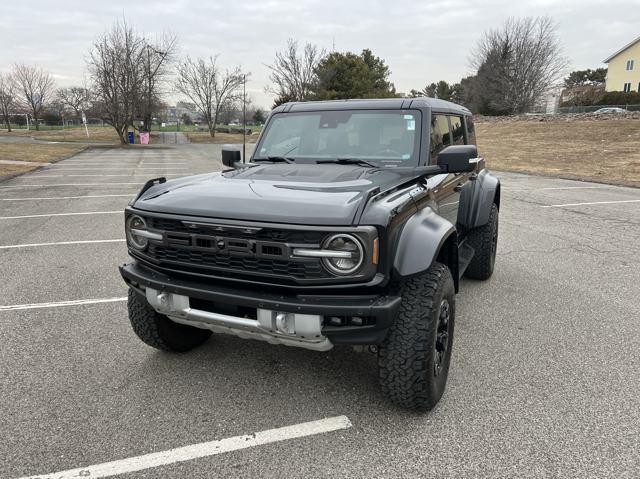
[421,41]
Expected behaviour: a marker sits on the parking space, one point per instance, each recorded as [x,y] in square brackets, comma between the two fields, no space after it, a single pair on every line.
[544,379]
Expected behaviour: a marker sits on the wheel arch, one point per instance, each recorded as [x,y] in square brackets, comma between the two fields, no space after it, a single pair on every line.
[426,238]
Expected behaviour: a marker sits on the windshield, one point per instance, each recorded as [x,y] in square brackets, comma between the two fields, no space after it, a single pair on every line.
[383,137]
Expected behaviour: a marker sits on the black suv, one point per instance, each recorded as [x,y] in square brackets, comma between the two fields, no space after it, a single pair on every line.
[351,224]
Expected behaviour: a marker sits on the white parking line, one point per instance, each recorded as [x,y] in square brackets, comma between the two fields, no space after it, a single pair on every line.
[112,163]
[87,176]
[576,187]
[77,302]
[591,203]
[534,188]
[204,449]
[65,197]
[117,168]
[62,214]
[70,184]
[33,245]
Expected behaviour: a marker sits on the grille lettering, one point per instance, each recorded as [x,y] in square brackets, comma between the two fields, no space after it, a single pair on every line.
[229,246]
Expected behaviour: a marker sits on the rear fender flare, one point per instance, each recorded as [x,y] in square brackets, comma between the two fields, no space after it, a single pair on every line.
[476,200]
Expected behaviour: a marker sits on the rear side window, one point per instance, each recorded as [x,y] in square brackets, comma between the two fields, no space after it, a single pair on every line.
[440,136]
[457,131]
[471,131]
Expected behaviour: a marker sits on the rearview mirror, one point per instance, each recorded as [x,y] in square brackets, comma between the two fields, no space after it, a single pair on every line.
[455,159]
[230,156]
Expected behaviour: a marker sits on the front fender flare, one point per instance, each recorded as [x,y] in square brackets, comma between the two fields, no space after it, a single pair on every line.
[420,242]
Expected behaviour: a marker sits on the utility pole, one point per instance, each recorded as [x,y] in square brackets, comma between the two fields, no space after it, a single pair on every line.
[244,118]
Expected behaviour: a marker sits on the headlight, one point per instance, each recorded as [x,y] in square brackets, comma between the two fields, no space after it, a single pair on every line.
[136,229]
[344,263]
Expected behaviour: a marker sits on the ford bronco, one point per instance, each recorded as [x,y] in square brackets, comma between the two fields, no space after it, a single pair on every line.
[351,224]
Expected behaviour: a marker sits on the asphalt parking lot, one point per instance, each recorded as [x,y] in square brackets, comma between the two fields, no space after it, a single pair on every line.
[545,378]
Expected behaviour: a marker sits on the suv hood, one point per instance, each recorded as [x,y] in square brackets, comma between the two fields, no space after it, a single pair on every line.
[327,194]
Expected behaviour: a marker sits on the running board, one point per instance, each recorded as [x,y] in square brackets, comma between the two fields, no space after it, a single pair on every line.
[465,255]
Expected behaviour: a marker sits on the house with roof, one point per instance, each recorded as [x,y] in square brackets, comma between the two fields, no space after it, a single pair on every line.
[624,68]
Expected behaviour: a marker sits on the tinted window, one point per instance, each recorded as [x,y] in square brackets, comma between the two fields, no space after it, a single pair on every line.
[457,133]
[440,136]
[471,131]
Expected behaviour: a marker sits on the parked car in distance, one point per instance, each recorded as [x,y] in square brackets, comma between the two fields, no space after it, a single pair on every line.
[610,109]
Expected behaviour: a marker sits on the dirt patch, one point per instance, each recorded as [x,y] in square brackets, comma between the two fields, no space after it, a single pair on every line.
[605,151]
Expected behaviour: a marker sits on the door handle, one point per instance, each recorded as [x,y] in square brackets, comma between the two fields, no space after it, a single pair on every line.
[458,187]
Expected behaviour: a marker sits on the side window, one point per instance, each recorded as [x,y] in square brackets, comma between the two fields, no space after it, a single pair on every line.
[440,136]
[471,131]
[457,132]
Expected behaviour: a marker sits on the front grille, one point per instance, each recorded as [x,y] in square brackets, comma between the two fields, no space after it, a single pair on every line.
[199,260]
[193,249]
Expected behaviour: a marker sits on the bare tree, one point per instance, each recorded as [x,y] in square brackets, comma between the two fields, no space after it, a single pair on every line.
[7,98]
[208,88]
[35,85]
[75,99]
[115,66]
[156,59]
[517,64]
[293,73]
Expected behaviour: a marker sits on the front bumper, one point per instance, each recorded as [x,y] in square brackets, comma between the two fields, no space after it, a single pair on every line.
[380,310]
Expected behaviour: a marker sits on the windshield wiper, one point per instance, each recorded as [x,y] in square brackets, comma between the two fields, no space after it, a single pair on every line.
[276,159]
[348,161]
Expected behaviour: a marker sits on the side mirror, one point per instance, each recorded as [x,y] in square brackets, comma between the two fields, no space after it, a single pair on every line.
[456,158]
[230,156]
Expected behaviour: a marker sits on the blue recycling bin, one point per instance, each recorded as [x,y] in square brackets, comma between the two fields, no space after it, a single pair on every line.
[131,137]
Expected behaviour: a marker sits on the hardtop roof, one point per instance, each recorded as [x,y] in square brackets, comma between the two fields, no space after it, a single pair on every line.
[435,104]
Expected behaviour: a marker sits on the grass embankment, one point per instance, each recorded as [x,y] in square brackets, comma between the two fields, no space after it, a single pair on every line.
[606,150]
[32,152]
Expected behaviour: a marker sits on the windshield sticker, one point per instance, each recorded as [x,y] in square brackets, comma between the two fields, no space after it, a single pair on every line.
[411,125]
[406,156]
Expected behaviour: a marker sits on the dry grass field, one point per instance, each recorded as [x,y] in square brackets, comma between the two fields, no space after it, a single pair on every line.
[204,137]
[32,152]
[96,133]
[604,150]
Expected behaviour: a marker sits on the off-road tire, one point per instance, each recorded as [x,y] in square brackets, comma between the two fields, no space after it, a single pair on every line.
[160,332]
[407,359]
[484,240]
